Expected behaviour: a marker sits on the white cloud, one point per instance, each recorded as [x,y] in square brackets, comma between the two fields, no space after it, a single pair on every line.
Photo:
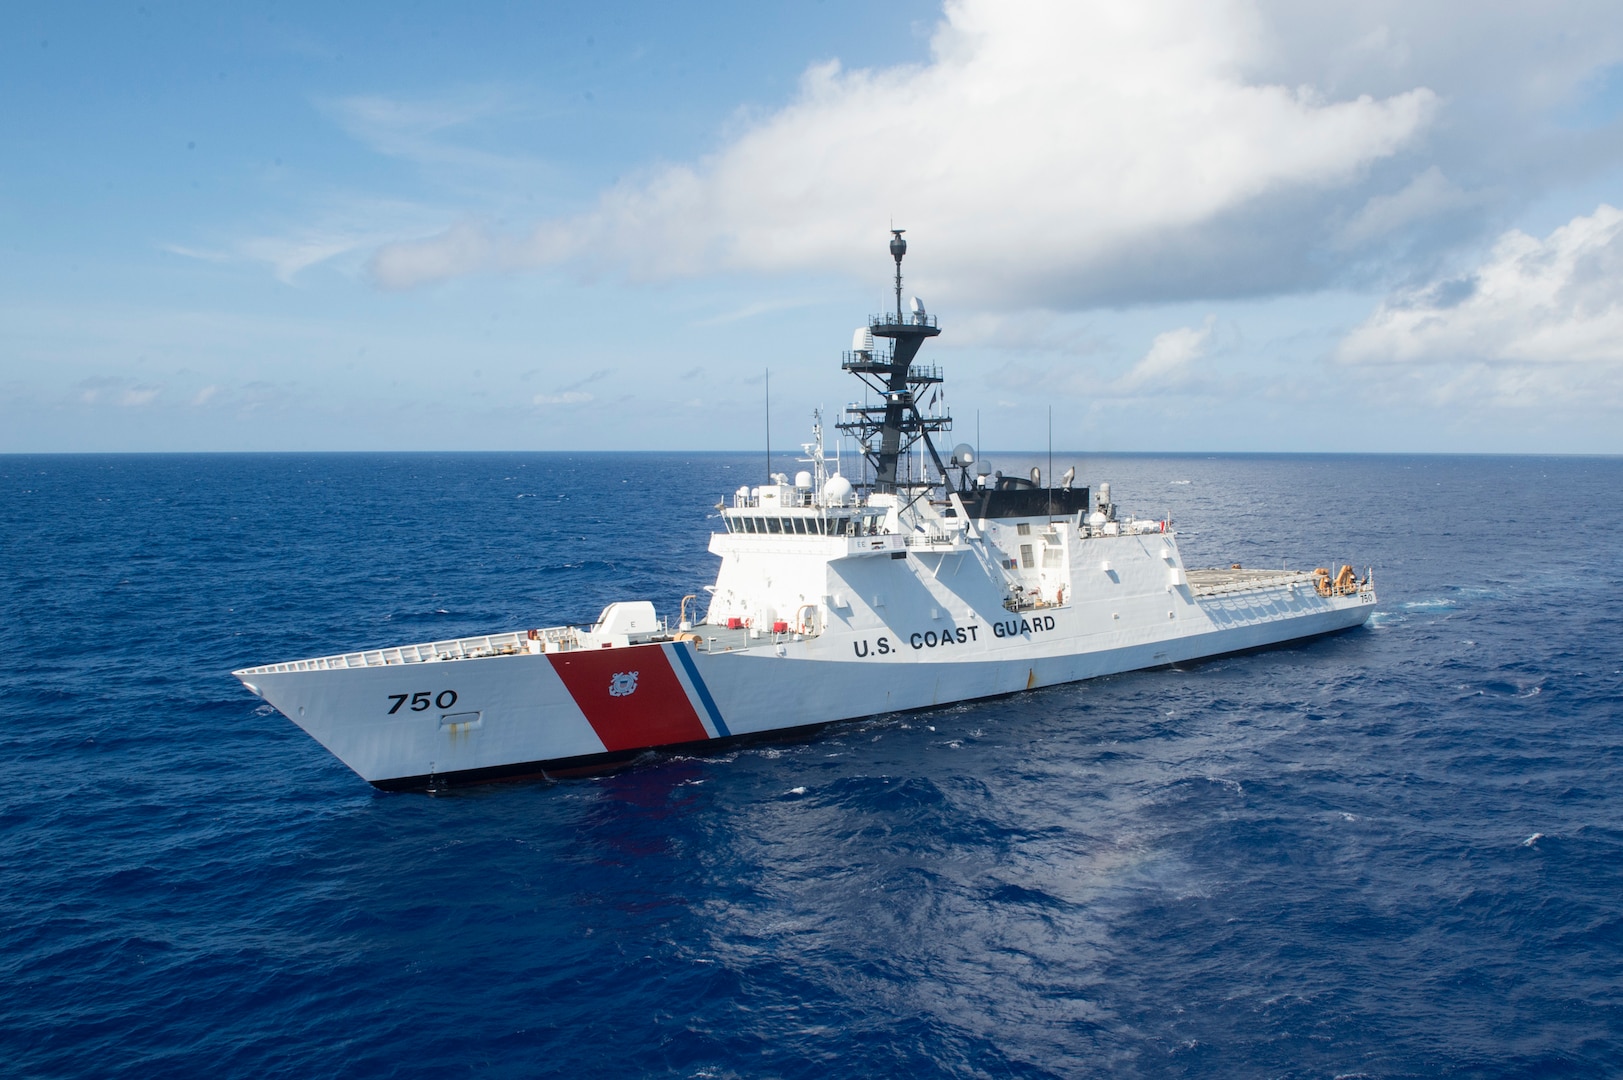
[288,255]
[462,249]
[568,397]
[439,135]
[1501,63]
[1537,321]
[349,227]
[1428,195]
[1170,363]
[101,389]
[1086,151]
[750,311]
[201,254]
[421,131]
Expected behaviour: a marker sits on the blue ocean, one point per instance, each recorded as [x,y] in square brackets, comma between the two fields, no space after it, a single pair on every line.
[1393,852]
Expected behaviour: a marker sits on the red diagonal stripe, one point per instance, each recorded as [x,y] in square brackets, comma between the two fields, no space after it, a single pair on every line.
[656,713]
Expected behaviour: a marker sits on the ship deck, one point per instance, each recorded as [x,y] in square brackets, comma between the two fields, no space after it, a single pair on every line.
[468,648]
[1202,583]
[1217,582]
[483,646]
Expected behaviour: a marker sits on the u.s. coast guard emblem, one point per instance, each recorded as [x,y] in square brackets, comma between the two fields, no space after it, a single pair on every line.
[624,683]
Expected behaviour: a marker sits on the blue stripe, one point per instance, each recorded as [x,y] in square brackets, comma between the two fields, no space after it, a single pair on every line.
[681,649]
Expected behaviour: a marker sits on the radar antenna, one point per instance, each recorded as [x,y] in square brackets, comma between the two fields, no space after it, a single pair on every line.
[888,431]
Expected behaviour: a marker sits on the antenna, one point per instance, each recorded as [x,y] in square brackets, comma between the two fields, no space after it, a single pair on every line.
[769,425]
[889,432]
[898,248]
[1051,461]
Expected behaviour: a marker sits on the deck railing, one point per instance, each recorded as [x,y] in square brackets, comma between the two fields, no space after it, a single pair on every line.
[468,648]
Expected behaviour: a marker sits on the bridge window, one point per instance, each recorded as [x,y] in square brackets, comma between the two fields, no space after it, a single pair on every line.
[1027,562]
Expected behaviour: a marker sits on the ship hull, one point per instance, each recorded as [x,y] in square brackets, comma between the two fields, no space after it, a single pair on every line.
[406,726]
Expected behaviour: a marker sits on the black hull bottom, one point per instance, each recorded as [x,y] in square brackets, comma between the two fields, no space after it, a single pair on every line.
[590,764]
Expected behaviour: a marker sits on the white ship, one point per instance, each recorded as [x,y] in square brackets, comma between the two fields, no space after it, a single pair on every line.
[917,583]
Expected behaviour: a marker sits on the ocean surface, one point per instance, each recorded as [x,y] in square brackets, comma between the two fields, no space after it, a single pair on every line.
[1395,852]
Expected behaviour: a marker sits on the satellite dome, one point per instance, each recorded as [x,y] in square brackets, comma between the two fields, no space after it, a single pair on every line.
[836,489]
[962,454]
[803,480]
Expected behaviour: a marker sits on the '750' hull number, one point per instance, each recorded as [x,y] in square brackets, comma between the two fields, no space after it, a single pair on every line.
[422,699]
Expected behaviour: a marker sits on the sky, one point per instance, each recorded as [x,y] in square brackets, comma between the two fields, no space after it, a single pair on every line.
[1173,225]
